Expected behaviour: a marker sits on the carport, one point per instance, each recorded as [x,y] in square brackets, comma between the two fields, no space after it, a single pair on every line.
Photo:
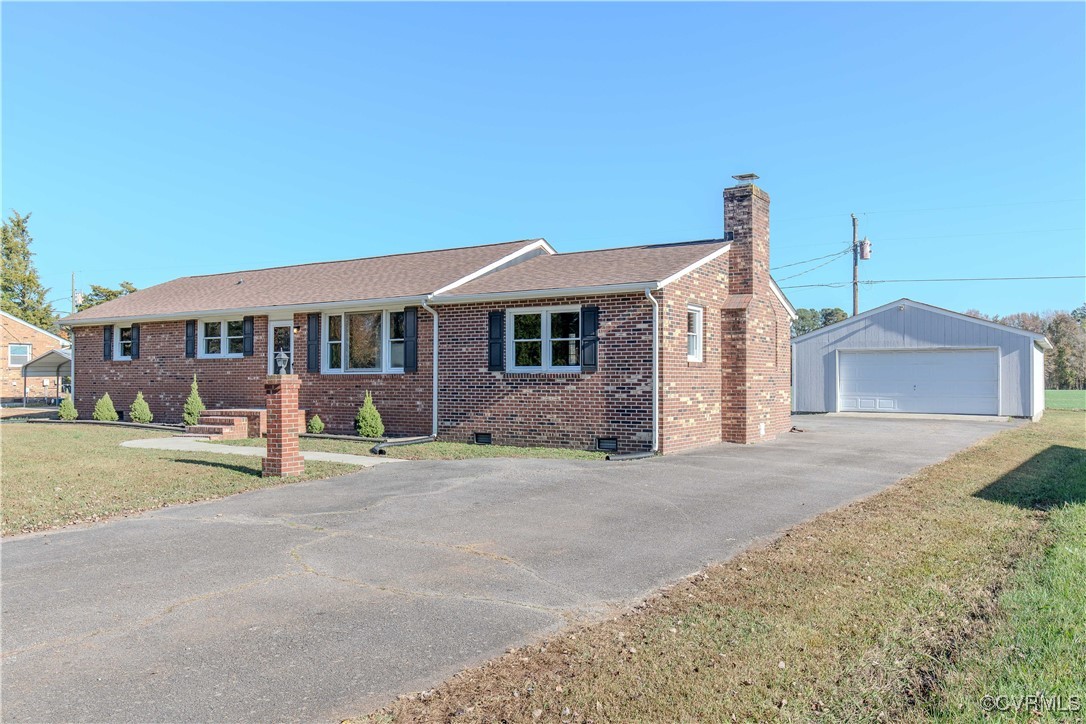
[56,363]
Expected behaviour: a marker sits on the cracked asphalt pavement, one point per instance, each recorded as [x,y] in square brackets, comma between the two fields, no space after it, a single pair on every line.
[325,599]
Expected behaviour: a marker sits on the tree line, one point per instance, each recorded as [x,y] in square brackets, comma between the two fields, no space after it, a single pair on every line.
[1065,363]
[22,294]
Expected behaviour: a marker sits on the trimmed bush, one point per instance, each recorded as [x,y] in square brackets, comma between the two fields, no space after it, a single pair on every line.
[368,420]
[67,409]
[140,411]
[316,425]
[193,405]
[104,409]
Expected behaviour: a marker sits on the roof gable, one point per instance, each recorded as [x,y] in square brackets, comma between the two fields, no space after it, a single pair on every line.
[1038,338]
[34,327]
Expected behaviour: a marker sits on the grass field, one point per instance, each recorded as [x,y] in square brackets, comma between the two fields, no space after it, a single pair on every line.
[55,475]
[436,450]
[961,581]
[1065,399]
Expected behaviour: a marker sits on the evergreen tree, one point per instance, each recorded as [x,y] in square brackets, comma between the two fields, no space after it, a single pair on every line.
[193,405]
[99,294]
[67,409]
[22,293]
[368,420]
[140,411]
[104,409]
[316,425]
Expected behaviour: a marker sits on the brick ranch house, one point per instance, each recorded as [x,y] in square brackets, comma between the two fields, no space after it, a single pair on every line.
[659,347]
[22,344]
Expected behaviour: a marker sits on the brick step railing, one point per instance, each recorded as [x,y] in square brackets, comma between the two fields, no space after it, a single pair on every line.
[218,426]
[235,423]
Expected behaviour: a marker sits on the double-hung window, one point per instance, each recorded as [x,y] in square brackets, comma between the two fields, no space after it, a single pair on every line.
[544,340]
[695,333]
[124,343]
[18,354]
[364,342]
[222,338]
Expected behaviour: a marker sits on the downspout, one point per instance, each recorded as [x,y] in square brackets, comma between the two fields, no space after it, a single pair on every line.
[433,403]
[655,371]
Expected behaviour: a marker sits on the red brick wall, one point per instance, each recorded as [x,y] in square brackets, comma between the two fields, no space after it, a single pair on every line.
[690,391]
[164,375]
[562,410]
[404,400]
[11,378]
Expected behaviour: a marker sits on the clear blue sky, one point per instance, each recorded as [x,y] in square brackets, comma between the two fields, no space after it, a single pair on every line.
[152,141]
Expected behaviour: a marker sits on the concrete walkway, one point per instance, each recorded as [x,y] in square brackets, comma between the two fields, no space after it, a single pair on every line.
[320,600]
[195,444]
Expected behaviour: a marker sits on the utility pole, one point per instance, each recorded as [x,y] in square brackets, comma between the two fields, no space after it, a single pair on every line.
[855,269]
[73,292]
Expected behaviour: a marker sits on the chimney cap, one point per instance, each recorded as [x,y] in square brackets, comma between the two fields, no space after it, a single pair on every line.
[746,178]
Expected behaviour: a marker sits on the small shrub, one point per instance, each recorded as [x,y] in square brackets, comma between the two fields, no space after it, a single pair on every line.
[67,409]
[140,411]
[368,421]
[316,425]
[193,405]
[104,409]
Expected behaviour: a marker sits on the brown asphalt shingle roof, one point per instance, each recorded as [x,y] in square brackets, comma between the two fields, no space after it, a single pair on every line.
[381,277]
[402,275]
[629,265]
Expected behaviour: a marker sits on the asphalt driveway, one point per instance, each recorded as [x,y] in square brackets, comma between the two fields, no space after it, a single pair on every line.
[319,600]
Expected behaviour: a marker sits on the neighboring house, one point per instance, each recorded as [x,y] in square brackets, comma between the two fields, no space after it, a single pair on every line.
[665,346]
[21,343]
[910,357]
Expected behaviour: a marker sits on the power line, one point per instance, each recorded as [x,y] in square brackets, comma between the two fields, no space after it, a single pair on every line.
[797,263]
[838,285]
[808,271]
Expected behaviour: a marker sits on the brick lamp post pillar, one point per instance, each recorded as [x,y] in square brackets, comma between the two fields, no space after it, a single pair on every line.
[283,457]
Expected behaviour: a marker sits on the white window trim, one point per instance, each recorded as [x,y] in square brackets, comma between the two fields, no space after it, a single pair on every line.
[117,356]
[545,332]
[201,354]
[386,367]
[699,333]
[29,353]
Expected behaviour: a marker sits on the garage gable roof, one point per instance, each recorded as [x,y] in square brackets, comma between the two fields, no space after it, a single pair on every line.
[1038,339]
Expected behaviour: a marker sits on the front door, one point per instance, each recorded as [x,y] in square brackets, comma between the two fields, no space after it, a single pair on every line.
[281,339]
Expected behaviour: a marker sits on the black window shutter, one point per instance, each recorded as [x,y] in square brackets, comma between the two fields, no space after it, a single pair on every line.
[313,343]
[107,342]
[590,341]
[495,359]
[135,341]
[246,336]
[411,339]
[190,338]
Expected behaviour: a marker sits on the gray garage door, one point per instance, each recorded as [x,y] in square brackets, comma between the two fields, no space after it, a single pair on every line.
[940,381]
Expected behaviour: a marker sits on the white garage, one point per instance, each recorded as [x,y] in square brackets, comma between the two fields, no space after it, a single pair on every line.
[908,357]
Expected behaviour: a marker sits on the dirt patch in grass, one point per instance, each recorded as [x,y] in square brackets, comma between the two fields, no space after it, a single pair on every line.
[55,475]
[855,615]
[436,450]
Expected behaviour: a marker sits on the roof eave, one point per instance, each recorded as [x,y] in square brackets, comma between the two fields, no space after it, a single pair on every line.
[245,311]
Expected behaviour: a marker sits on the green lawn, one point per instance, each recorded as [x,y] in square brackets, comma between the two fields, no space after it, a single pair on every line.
[55,475]
[963,580]
[1065,399]
[436,450]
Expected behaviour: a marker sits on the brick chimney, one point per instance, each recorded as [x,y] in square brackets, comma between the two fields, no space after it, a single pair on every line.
[755,359]
[746,218]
